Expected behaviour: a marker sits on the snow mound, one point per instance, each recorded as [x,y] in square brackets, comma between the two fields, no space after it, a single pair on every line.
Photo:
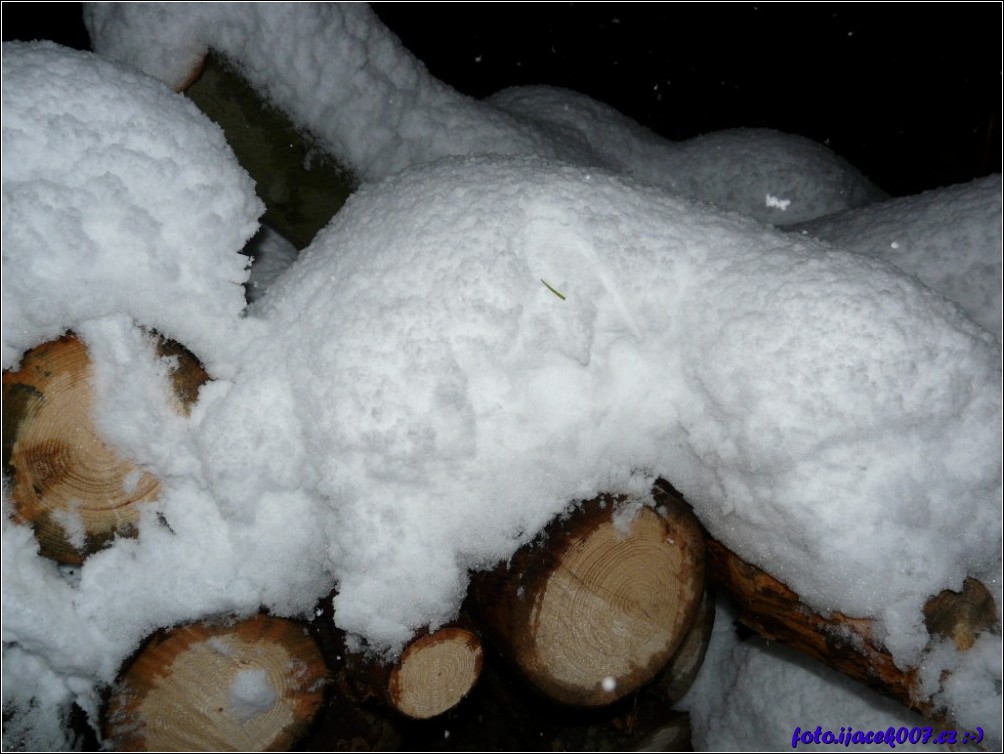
[109,169]
[950,238]
[340,73]
[818,408]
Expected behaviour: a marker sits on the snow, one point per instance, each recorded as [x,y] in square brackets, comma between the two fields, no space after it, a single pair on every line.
[354,64]
[950,238]
[412,398]
[250,694]
[140,191]
[752,695]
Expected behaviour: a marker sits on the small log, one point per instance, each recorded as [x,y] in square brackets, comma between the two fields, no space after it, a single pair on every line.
[432,674]
[844,643]
[74,490]
[253,685]
[435,672]
[596,608]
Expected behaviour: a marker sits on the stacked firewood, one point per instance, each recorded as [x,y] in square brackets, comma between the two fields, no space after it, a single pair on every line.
[605,611]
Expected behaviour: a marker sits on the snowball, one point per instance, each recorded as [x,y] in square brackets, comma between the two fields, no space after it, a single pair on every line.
[250,694]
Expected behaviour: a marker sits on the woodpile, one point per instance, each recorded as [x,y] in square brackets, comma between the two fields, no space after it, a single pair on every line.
[604,618]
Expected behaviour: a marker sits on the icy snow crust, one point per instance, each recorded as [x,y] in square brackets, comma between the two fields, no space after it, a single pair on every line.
[353,64]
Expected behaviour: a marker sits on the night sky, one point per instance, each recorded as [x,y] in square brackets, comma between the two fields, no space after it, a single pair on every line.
[909,93]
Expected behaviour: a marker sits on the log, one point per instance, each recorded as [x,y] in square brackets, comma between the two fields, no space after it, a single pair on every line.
[251,685]
[846,643]
[679,675]
[302,186]
[596,607]
[435,672]
[432,674]
[76,492]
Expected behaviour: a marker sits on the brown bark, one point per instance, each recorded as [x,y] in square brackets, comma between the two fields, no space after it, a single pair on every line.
[74,490]
[679,675]
[595,608]
[845,643]
[251,685]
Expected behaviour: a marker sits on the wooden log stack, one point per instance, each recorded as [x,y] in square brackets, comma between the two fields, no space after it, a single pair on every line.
[606,611]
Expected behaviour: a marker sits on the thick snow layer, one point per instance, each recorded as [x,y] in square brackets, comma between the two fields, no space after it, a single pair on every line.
[818,408]
[344,76]
[109,169]
[950,238]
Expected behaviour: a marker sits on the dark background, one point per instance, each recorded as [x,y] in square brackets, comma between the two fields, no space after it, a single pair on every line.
[910,93]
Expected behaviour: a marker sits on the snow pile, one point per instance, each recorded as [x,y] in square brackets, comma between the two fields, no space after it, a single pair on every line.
[950,238]
[345,77]
[467,347]
[110,171]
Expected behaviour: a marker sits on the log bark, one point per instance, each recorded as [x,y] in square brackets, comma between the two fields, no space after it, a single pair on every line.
[252,685]
[302,186]
[76,491]
[846,643]
[679,675]
[597,606]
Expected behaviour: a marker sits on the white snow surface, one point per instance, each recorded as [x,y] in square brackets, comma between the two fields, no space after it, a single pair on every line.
[111,170]
[340,73]
[250,694]
[950,238]
[411,399]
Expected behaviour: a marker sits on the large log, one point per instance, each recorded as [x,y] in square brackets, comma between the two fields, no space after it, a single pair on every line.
[253,685]
[846,643]
[598,605]
[75,491]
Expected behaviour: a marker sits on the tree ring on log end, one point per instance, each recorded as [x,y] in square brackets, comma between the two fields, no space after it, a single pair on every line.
[76,492]
[250,686]
[615,610]
[435,672]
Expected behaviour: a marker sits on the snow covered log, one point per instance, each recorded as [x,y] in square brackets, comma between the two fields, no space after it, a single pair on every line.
[76,491]
[597,607]
[248,686]
[378,110]
[300,184]
[847,644]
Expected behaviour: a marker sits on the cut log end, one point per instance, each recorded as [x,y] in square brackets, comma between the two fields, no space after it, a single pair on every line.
[961,616]
[251,686]
[597,608]
[613,612]
[435,672]
[76,492]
